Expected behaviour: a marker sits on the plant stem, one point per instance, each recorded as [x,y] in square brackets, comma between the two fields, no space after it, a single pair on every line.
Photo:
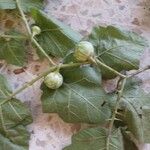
[98,62]
[30,33]
[41,49]
[120,92]
[13,36]
[23,17]
[26,85]
[139,71]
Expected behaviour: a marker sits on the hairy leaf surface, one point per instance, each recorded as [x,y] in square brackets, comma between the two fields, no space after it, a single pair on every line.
[56,38]
[136,111]
[95,139]
[13,49]
[117,48]
[14,116]
[80,98]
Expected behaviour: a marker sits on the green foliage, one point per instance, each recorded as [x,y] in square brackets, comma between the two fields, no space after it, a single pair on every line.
[13,50]
[26,5]
[14,116]
[128,142]
[136,111]
[80,99]
[95,139]
[56,38]
[117,48]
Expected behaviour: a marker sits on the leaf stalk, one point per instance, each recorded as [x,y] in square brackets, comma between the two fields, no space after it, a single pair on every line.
[98,62]
[139,71]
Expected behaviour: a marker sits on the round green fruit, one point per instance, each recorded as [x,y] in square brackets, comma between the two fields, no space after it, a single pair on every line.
[53,80]
[36,30]
[83,51]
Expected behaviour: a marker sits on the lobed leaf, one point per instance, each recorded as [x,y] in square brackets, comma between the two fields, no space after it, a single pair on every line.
[56,38]
[13,49]
[95,139]
[117,48]
[136,111]
[14,116]
[79,99]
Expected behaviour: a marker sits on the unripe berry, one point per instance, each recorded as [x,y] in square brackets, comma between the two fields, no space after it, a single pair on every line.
[83,51]
[53,80]
[35,30]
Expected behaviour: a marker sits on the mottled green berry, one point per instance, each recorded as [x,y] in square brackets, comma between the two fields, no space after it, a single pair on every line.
[53,80]
[83,51]
[36,30]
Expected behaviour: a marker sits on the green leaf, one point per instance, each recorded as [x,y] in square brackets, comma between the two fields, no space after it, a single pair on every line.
[56,38]
[95,139]
[128,141]
[4,88]
[117,48]
[80,98]
[136,111]
[26,5]
[14,116]
[13,49]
